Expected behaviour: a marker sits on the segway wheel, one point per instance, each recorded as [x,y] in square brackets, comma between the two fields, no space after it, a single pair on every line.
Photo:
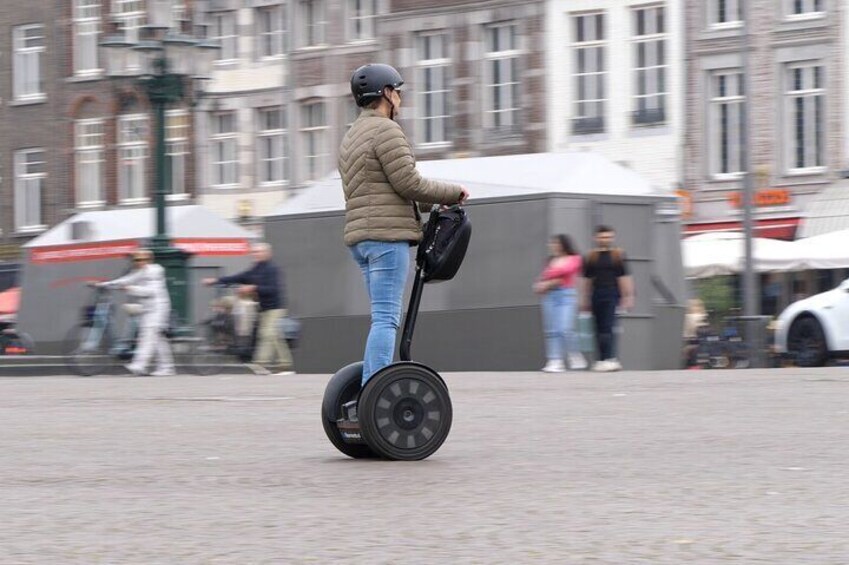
[343,387]
[405,412]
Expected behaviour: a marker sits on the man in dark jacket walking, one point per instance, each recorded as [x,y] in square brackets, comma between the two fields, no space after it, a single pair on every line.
[608,287]
[263,280]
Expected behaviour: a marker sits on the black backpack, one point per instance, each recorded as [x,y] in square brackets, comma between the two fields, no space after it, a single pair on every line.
[444,243]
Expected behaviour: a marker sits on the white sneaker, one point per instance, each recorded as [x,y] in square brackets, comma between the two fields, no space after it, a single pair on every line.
[163,373]
[286,373]
[614,365]
[600,367]
[554,366]
[133,371]
[577,361]
[257,369]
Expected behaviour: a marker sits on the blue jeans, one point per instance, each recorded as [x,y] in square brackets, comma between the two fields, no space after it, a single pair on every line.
[384,265]
[558,318]
[604,303]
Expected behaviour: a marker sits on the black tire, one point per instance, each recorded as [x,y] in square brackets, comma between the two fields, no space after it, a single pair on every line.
[806,342]
[85,361]
[405,412]
[343,387]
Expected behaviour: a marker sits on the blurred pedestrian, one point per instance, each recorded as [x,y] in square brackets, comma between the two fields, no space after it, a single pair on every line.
[263,280]
[695,320]
[608,289]
[146,283]
[381,187]
[557,287]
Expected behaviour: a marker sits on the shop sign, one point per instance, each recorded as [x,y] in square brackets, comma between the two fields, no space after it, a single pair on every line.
[763,198]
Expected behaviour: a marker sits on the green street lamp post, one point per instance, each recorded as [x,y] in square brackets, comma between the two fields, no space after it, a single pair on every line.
[167,66]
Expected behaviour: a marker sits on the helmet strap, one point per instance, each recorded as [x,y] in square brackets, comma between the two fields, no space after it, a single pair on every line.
[391,106]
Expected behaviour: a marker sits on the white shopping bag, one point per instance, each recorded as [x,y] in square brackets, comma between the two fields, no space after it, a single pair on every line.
[586,332]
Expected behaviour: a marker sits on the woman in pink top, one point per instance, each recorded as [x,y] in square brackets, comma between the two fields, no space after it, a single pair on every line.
[557,287]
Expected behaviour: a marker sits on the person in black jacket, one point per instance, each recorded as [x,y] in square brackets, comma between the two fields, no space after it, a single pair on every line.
[608,288]
[263,280]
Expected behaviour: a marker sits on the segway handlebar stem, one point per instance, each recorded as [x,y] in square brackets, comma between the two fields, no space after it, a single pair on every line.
[412,313]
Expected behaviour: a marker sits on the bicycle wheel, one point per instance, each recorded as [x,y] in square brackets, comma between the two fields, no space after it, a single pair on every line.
[86,351]
[14,343]
[207,358]
[196,355]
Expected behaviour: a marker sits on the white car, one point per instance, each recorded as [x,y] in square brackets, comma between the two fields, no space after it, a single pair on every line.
[815,329]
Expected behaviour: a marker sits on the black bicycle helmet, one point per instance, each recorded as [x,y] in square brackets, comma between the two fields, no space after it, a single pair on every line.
[368,82]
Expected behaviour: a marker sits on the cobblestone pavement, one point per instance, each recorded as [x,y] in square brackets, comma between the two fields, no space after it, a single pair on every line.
[673,467]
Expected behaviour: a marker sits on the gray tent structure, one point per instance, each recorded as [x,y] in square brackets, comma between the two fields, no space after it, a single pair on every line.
[488,318]
[94,246]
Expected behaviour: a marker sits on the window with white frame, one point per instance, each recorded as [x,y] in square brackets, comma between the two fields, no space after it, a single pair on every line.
[590,73]
[179,13]
[224,149]
[177,133]
[130,15]
[804,8]
[352,112]
[805,116]
[312,14]
[432,87]
[271,30]
[271,145]
[86,36]
[28,43]
[501,77]
[725,123]
[223,30]
[30,175]
[360,20]
[649,34]
[89,148]
[314,139]
[132,157]
[725,13]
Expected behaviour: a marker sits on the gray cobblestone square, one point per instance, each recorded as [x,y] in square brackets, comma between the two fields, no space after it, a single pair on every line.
[673,467]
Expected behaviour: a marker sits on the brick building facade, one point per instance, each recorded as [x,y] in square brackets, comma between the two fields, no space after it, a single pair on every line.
[475,73]
[474,76]
[71,138]
[797,105]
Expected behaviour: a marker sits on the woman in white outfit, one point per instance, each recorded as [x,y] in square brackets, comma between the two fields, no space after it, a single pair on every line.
[146,282]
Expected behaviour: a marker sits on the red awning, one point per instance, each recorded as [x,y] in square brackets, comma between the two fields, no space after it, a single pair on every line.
[9,300]
[774,228]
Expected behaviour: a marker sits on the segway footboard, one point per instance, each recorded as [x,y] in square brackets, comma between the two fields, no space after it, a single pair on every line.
[338,412]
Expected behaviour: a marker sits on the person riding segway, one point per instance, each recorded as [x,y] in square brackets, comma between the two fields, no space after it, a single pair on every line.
[376,407]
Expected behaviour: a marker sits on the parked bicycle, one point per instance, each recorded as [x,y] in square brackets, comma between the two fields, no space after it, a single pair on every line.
[229,327]
[722,349]
[97,343]
[14,341]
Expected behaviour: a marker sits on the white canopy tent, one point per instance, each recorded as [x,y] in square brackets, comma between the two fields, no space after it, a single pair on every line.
[189,222]
[722,253]
[826,251]
[575,172]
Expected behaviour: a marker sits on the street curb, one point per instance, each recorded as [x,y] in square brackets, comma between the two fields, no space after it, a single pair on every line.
[54,365]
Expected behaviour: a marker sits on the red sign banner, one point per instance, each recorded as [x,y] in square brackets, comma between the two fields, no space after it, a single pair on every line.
[218,247]
[83,252]
[120,249]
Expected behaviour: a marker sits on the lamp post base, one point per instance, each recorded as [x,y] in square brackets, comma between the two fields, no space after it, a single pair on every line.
[175,261]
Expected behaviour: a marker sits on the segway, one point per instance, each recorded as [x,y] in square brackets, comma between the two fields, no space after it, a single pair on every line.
[404,411]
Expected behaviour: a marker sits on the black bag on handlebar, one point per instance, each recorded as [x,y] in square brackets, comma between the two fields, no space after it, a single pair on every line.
[444,243]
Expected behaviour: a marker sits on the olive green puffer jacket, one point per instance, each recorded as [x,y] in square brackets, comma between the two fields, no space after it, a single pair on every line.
[382,184]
